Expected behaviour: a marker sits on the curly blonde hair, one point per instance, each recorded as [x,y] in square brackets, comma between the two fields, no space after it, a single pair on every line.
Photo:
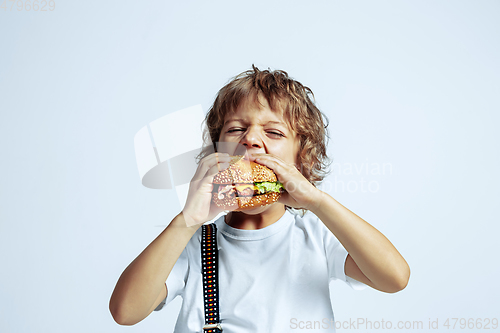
[282,93]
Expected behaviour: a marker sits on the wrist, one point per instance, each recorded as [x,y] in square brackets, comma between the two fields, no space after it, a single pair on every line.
[318,199]
[184,222]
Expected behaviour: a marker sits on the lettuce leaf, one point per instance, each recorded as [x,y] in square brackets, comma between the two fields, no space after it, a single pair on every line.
[265,187]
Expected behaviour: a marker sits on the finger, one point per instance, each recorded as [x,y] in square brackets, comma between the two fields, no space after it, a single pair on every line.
[272,162]
[266,158]
[209,176]
[205,182]
[214,158]
[208,162]
[223,163]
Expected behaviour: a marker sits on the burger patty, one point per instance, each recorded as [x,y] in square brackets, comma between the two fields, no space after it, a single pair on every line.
[225,191]
[239,190]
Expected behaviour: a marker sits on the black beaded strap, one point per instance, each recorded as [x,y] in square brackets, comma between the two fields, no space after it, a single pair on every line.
[209,263]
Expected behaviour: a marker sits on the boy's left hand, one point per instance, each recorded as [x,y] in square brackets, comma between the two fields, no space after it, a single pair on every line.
[300,193]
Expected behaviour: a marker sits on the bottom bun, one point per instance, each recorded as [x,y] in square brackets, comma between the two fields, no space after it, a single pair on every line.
[242,203]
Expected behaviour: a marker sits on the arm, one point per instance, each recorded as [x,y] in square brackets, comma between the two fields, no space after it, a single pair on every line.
[141,287]
[372,258]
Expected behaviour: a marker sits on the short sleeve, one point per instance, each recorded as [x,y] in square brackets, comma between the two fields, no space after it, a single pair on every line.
[336,256]
[176,279]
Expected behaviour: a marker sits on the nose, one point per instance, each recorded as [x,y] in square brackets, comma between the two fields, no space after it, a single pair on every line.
[251,139]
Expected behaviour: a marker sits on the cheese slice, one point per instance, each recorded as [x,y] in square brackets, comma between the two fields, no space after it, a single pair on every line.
[241,188]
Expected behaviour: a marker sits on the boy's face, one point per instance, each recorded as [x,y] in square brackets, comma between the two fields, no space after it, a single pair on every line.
[261,130]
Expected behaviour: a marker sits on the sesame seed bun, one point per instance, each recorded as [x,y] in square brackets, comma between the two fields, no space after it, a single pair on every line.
[243,171]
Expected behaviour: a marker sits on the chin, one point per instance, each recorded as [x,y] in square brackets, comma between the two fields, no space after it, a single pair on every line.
[256,210]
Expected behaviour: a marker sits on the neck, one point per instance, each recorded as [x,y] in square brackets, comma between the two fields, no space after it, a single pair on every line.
[248,221]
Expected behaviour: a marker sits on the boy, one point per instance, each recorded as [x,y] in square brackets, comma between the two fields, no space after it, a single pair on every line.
[274,266]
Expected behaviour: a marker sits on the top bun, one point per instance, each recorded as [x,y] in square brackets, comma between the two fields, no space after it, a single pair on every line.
[244,171]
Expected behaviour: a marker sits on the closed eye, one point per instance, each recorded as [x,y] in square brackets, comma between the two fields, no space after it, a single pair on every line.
[235,130]
[278,134]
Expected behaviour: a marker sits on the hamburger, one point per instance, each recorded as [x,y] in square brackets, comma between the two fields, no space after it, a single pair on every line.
[244,185]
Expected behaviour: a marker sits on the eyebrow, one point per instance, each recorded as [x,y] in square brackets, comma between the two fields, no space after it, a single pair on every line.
[269,122]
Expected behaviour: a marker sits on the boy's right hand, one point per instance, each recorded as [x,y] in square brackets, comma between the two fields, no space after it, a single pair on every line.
[199,207]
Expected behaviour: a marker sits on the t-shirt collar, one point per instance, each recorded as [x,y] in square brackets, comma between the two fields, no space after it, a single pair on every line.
[258,234]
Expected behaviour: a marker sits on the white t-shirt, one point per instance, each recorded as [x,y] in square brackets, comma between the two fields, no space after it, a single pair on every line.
[270,279]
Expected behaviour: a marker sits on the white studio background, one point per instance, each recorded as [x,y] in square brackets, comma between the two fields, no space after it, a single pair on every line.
[411,86]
